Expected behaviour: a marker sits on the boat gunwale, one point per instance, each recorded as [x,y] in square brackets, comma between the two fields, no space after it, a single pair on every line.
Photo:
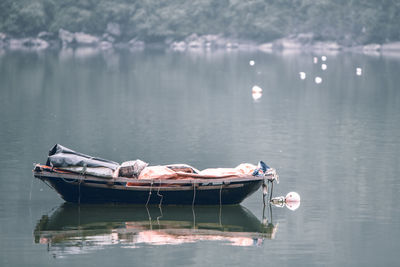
[41,174]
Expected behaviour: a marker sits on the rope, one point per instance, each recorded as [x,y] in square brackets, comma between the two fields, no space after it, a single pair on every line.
[220,195]
[79,184]
[193,213]
[148,214]
[151,186]
[272,188]
[194,193]
[158,194]
[79,192]
[44,181]
[220,206]
[265,190]
[70,182]
[264,220]
[161,215]
[194,218]
[270,212]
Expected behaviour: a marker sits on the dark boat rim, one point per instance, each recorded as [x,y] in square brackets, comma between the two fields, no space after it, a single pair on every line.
[74,177]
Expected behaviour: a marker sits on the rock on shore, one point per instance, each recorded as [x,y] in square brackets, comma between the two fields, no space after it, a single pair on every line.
[395,46]
[79,38]
[300,42]
[27,43]
[209,41]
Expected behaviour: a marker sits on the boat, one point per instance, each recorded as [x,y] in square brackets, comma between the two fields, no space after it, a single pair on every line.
[78,229]
[81,178]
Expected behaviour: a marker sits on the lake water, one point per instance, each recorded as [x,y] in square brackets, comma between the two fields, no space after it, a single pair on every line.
[336,143]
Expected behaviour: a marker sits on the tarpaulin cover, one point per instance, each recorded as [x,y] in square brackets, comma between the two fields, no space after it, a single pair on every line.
[60,156]
[163,172]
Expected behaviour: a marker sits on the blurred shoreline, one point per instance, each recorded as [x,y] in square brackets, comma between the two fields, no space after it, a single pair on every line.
[66,40]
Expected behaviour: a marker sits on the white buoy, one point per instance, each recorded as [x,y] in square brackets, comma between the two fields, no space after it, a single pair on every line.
[292,200]
[315,60]
[292,197]
[256,92]
[302,75]
[323,58]
[318,80]
[256,96]
[251,62]
[324,66]
[293,206]
[359,71]
[256,89]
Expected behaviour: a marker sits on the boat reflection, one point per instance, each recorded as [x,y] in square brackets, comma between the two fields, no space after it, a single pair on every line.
[76,229]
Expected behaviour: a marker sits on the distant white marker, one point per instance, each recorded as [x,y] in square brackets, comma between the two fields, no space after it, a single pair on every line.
[256,96]
[324,66]
[323,58]
[318,80]
[256,89]
[315,60]
[256,92]
[251,62]
[302,75]
[359,71]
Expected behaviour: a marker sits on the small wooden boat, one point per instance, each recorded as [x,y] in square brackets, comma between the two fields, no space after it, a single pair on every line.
[81,178]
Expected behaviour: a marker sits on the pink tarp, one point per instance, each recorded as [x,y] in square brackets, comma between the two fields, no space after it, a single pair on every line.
[163,172]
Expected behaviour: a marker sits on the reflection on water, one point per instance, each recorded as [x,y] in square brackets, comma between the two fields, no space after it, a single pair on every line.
[76,229]
[359,71]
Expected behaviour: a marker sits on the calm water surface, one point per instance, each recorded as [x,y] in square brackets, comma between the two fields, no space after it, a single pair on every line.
[336,143]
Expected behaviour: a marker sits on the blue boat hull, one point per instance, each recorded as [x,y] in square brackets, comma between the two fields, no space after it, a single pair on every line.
[90,192]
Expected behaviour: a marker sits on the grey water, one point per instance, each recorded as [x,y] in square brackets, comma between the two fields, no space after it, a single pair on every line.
[336,143]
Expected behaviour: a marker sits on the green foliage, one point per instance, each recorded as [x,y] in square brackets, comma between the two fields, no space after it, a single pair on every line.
[346,21]
[22,17]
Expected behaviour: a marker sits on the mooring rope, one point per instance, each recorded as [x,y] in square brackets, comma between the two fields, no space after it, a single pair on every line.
[194,193]
[79,183]
[79,192]
[161,215]
[194,218]
[265,190]
[264,220]
[70,182]
[158,194]
[47,184]
[148,214]
[220,205]
[151,186]
[272,188]
[220,195]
